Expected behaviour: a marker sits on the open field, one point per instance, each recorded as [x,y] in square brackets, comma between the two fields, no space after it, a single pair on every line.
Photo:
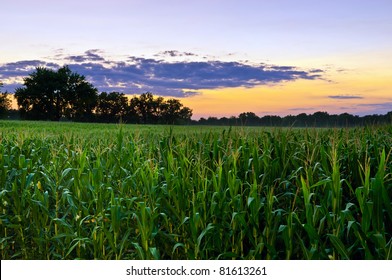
[80,191]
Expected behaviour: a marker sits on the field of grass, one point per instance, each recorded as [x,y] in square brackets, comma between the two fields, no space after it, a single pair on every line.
[80,191]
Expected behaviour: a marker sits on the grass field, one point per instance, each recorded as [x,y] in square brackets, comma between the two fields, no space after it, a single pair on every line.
[95,191]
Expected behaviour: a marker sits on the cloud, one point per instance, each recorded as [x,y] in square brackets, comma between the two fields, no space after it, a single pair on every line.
[301,109]
[385,105]
[345,97]
[23,66]
[12,74]
[174,53]
[181,78]
[88,56]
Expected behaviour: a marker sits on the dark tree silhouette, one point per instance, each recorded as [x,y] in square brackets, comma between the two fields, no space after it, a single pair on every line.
[249,118]
[317,119]
[173,112]
[147,107]
[5,103]
[52,95]
[150,110]
[112,107]
[320,118]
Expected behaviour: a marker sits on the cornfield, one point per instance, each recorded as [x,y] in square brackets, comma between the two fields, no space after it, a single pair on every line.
[83,191]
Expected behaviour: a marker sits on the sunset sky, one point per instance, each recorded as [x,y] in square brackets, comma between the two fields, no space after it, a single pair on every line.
[220,57]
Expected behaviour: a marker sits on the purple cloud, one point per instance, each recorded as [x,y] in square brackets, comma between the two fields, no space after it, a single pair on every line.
[181,78]
[88,56]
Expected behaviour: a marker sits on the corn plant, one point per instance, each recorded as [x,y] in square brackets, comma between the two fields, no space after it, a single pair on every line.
[78,191]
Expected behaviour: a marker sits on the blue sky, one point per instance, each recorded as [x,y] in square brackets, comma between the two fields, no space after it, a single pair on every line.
[212,52]
[258,30]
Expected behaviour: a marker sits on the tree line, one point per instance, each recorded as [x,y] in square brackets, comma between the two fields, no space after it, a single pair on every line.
[317,119]
[64,95]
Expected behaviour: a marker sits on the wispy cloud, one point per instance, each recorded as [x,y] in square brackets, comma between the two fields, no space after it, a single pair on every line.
[174,53]
[180,78]
[386,105]
[88,56]
[348,96]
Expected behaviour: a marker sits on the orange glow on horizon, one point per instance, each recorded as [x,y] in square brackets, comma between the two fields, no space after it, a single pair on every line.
[352,92]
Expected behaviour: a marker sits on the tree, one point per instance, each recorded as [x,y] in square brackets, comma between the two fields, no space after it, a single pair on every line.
[173,112]
[248,118]
[302,119]
[150,110]
[320,118]
[52,95]
[184,115]
[388,118]
[147,108]
[111,107]
[5,103]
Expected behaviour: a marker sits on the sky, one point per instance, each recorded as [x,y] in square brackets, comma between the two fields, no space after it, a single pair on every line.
[219,57]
